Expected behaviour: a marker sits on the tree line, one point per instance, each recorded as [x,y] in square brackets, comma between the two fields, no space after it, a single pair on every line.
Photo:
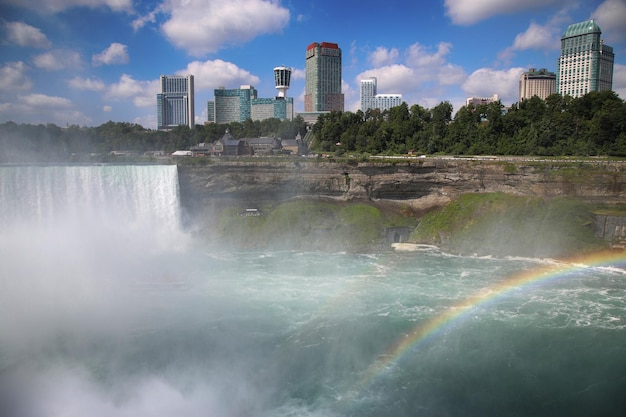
[51,143]
[594,124]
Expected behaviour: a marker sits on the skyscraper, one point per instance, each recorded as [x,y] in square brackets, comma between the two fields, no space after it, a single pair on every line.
[175,102]
[322,90]
[586,63]
[368,92]
[540,83]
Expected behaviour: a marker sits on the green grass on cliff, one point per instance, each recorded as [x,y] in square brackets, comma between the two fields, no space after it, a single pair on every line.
[500,225]
[307,225]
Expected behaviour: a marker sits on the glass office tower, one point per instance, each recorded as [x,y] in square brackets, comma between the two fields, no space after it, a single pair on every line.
[586,63]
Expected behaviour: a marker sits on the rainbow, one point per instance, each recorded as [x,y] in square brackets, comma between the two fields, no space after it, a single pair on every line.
[428,329]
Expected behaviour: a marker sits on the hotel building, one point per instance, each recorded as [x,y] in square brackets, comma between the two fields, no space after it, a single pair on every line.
[539,83]
[233,104]
[175,102]
[586,63]
[322,92]
[387,101]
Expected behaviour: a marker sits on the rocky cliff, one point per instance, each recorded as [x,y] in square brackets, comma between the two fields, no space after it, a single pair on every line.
[417,183]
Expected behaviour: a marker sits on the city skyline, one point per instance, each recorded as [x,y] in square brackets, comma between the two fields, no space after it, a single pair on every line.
[77,62]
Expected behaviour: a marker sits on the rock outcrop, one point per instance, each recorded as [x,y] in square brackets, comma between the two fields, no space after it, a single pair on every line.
[418,183]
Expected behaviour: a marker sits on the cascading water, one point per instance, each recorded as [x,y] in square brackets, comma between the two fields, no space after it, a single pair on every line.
[107,310]
[133,196]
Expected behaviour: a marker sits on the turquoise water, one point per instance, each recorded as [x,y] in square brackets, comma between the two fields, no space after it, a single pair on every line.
[115,323]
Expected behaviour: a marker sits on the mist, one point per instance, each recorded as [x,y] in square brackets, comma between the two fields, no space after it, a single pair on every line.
[109,308]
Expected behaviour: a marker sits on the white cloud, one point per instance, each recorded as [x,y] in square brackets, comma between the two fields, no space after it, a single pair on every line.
[425,73]
[383,56]
[58,59]
[212,74]
[42,100]
[141,21]
[13,77]
[485,82]
[90,84]
[142,93]
[25,35]
[107,108]
[116,53]
[419,56]
[392,79]
[468,12]
[611,15]
[537,37]
[200,27]
[60,5]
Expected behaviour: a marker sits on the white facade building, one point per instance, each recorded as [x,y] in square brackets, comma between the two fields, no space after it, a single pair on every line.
[368,92]
[387,101]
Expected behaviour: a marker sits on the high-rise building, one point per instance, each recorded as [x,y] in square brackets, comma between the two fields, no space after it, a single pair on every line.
[540,83]
[322,90]
[586,63]
[175,102]
[368,92]
[233,104]
[387,101]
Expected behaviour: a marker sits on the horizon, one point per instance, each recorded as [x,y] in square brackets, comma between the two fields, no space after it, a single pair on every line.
[86,62]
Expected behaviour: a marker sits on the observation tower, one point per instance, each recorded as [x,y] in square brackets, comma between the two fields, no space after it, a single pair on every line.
[282,80]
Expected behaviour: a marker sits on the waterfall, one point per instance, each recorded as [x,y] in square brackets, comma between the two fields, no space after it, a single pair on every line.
[127,196]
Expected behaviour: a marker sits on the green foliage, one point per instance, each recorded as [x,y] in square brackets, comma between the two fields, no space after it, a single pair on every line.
[305,225]
[594,124]
[500,224]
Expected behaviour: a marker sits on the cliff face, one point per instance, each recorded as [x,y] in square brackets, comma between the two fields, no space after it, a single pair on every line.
[419,183]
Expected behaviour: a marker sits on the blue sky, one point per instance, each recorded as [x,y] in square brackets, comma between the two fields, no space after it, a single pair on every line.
[87,62]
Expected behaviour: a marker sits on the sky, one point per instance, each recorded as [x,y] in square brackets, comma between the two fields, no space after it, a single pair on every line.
[85,62]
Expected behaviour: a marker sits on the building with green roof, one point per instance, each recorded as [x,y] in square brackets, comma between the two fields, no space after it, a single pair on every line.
[586,63]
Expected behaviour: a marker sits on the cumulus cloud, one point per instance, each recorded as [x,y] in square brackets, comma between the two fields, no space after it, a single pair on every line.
[22,34]
[216,73]
[484,82]
[90,84]
[468,12]
[142,93]
[536,37]
[201,27]
[60,5]
[611,15]
[419,56]
[58,59]
[383,56]
[539,37]
[426,72]
[116,53]
[13,77]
